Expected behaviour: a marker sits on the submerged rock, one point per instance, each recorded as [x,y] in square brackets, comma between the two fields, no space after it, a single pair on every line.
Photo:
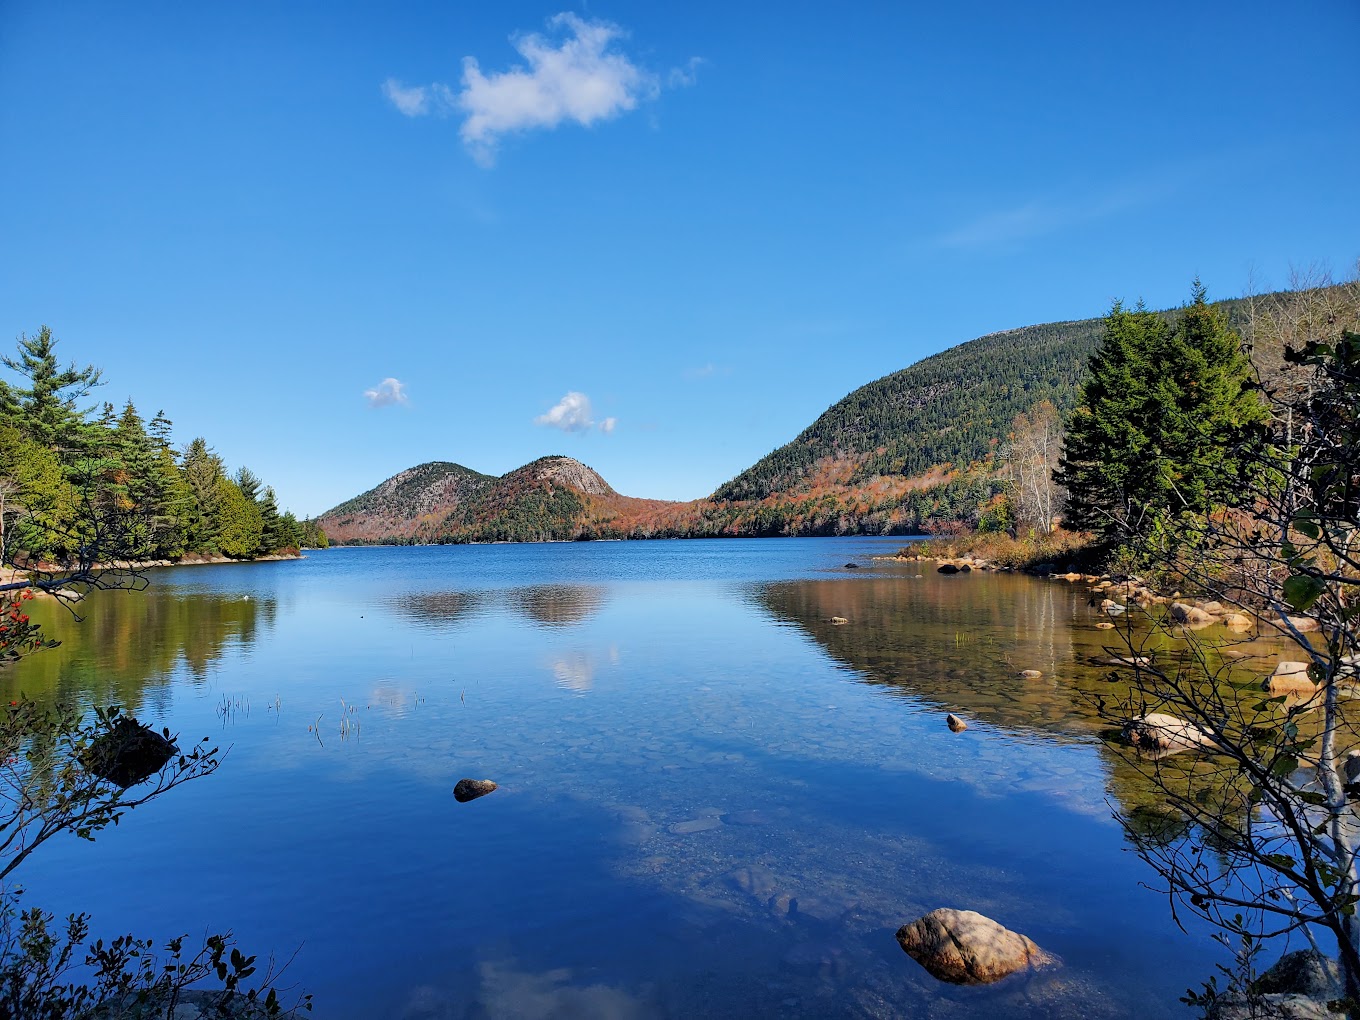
[1031,674]
[471,789]
[129,753]
[955,723]
[946,568]
[964,947]
[852,566]
[1238,621]
[839,621]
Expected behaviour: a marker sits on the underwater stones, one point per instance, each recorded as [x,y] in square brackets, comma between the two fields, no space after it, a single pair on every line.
[128,753]
[470,789]
[1160,732]
[695,825]
[852,566]
[964,947]
[1031,674]
[955,724]
[752,817]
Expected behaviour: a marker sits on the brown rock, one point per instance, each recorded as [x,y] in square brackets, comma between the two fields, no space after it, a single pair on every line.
[1303,624]
[955,723]
[839,621]
[965,948]
[1160,732]
[471,789]
[1238,621]
[1191,616]
[1031,674]
[1104,625]
[1290,678]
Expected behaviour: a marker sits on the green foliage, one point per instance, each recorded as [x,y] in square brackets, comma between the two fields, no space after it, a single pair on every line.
[240,523]
[1166,423]
[70,476]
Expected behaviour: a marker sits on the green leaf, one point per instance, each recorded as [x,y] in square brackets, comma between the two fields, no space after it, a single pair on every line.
[1301,591]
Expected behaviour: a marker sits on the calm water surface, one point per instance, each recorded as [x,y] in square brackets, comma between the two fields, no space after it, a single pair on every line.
[712,800]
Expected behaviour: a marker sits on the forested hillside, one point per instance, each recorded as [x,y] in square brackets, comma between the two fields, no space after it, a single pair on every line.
[73,477]
[930,448]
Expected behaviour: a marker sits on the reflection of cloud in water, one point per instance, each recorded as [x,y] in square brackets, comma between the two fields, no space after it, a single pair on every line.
[392,697]
[504,991]
[558,605]
[575,670]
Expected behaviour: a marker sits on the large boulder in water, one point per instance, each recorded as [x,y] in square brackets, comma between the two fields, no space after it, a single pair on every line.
[128,753]
[1160,732]
[965,948]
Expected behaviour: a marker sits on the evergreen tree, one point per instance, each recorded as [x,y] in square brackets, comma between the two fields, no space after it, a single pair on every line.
[1163,420]
[240,524]
[202,472]
[47,408]
[272,530]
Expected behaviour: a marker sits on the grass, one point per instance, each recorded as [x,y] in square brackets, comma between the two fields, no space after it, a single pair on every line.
[1059,548]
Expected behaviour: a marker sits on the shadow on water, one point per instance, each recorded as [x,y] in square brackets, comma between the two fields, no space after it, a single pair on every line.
[142,640]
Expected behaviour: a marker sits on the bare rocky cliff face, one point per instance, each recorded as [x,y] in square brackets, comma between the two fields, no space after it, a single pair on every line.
[574,475]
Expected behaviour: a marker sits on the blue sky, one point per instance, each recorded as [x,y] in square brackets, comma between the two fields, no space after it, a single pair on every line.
[338,240]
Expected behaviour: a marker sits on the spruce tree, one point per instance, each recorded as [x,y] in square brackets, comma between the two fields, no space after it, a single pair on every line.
[1164,421]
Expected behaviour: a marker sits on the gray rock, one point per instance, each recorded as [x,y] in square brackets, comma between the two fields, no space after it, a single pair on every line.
[471,789]
[1303,972]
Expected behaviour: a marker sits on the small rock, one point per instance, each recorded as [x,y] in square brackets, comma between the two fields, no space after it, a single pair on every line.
[955,723]
[946,568]
[1303,624]
[471,789]
[1031,674]
[1213,608]
[839,621]
[695,825]
[1104,625]
[1237,621]
[965,948]
[852,566]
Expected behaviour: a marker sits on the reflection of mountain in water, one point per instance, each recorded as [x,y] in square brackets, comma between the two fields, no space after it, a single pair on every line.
[551,605]
[959,643]
[558,605]
[128,643]
[437,607]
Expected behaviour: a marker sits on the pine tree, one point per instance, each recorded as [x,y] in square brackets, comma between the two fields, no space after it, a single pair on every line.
[203,472]
[47,406]
[1162,422]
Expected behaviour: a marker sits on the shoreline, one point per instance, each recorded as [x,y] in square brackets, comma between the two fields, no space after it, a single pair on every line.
[13,575]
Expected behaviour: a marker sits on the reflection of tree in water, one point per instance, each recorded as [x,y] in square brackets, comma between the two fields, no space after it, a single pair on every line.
[127,644]
[558,605]
[959,643]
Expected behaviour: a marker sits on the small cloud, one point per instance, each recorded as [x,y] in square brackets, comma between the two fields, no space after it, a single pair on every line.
[580,77]
[573,413]
[386,393]
[417,100]
[707,371]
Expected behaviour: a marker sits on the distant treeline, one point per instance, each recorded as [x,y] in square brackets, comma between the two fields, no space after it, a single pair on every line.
[73,477]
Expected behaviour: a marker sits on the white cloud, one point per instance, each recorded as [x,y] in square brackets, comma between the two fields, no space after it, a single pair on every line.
[386,393]
[412,101]
[573,413]
[574,73]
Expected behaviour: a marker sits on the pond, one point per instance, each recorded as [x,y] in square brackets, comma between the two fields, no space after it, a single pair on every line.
[712,800]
